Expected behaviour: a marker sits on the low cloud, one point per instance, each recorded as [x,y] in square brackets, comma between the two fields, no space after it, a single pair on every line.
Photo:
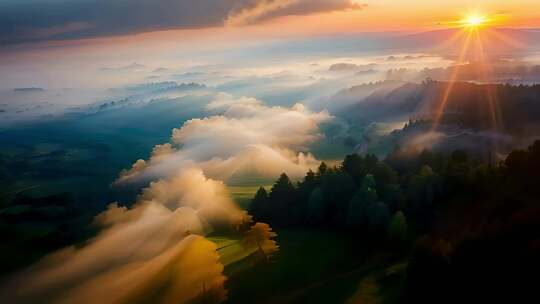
[245,138]
[425,141]
[191,188]
[154,251]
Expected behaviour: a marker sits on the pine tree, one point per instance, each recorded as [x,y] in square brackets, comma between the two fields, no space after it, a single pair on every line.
[397,230]
[259,204]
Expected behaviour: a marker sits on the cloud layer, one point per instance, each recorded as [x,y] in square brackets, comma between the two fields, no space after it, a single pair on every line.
[244,139]
[26,20]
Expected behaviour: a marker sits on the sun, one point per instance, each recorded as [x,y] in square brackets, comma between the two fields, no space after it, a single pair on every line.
[474,20]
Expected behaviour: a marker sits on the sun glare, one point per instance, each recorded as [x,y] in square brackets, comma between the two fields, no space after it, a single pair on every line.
[474,20]
[474,30]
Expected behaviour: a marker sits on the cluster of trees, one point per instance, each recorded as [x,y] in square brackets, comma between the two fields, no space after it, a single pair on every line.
[486,246]
[472,226]
[363,194]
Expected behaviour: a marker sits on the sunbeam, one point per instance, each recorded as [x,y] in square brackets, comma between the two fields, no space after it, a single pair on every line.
[451,82]
[473,48]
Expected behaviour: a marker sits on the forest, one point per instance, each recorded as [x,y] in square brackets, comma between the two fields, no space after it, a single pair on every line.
[467,228]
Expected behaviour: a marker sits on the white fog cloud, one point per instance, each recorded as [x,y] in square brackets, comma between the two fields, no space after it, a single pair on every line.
[246,137]
[154,251]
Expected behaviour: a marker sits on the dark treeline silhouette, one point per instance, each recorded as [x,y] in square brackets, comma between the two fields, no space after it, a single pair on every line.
[469,229]
[500,71]
[469,105]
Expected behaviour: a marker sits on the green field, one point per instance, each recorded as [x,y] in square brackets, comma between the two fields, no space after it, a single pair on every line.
[243,195]
[312,266]
[315,267]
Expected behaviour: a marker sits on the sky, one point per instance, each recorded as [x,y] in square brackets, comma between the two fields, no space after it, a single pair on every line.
[45,20]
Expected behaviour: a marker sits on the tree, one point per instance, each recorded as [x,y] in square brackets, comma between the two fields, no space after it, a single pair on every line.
[378,216]
[316,208]
[459,156]
[282,207]
[397,229]
[309,183]
[302,195]
[321,171]
[393,196]
[371,162]
[338,188]
[261,238]
[367,189]
[310,178]
[283,189]
[434,160]
[259,204]
[357,212]
[359,206]
[522,169]
[421,188]
[421,191]
[459,173]
[355,167]
[384,175]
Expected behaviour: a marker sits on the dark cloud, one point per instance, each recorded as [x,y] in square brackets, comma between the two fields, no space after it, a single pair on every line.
[35,20]
[252,11]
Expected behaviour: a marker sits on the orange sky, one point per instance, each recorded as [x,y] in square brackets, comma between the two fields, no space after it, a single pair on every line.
[388,15]
[378,16]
